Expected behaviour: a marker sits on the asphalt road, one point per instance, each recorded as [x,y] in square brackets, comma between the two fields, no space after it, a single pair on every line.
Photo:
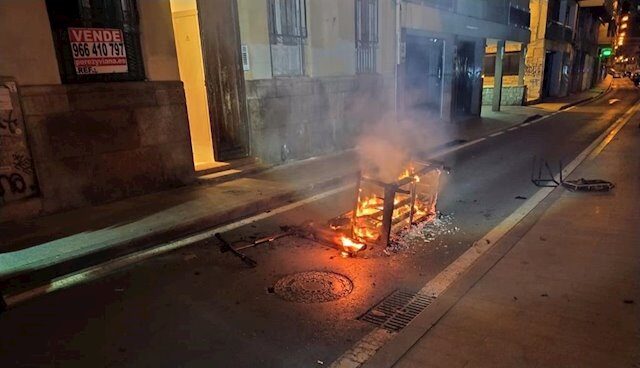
[198,308]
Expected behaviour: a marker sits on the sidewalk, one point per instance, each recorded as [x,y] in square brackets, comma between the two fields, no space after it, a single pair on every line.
[561,103]
[567,294]
[39,249]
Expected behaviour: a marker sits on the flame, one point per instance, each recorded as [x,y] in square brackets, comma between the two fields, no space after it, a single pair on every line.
[365,233]
[349,245]
[367,220]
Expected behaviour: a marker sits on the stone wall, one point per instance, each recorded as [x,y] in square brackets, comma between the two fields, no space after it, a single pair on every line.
[296,118]
[98,142]
[511,95]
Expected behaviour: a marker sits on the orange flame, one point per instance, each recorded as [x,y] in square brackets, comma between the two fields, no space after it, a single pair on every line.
[349,245]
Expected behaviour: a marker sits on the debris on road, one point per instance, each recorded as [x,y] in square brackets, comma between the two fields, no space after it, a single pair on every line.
[225,246]
[580,185]
[424,232]
[189,256]
[586,185]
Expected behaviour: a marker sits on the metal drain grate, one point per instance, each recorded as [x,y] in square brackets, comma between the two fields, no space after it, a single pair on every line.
[398,309]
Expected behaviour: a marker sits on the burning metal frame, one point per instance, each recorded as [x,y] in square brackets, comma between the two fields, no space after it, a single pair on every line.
[385,207]
[381,209]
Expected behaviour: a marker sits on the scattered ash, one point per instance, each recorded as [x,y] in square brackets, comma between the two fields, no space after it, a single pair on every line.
[425,232]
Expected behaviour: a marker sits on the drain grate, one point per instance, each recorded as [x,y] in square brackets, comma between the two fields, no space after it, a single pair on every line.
[398,309]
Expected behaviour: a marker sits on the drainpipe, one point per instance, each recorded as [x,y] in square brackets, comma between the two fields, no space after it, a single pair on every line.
[398,54]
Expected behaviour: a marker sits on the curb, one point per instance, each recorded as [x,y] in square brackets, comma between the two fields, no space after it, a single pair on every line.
[390,354]
[28,279]
[564,107]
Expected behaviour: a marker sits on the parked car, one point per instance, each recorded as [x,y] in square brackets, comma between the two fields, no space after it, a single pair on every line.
[635,77]
[614,73]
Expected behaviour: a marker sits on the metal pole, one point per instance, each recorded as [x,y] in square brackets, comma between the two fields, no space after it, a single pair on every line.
[387,214]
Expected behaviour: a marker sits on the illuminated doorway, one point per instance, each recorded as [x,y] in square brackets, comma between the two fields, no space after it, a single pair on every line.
[190,62]
[207,37]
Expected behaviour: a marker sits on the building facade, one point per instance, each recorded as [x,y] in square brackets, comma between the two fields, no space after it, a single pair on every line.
[563,56]
[103,100]
[82,126]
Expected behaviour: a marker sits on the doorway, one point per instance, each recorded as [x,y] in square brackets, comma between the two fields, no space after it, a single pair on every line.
[186,33]
[464,74]
[423,74]
[214,86]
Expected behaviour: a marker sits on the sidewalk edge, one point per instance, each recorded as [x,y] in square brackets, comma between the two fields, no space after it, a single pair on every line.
[25,279]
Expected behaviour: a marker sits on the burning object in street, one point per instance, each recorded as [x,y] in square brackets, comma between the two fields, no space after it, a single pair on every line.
[383,208]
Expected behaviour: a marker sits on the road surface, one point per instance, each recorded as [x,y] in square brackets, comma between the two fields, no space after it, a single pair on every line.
[196,307]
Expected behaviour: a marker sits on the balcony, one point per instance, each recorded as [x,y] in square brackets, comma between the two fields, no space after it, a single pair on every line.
[604,8]
[557,31]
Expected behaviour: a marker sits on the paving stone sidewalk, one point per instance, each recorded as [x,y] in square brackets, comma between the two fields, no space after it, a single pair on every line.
[566,295]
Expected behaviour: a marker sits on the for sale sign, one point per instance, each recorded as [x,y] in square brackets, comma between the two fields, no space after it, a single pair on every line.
[98,50]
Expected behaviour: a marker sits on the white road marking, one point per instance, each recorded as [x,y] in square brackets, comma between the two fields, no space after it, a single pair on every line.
[513,128]
[364,349]
[446,151]
[103,269]
[496,134]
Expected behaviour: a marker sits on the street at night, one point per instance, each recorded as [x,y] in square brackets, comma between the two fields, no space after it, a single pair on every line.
[160,209]
[197,306]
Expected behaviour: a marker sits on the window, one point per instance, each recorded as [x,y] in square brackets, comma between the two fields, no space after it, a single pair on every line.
[510,64]
[366,35]
[287,33]
[121,16]
[519,17]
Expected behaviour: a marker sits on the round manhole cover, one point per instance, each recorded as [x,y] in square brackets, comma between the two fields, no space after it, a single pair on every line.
[313,287]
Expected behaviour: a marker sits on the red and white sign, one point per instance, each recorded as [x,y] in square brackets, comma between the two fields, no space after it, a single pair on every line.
[98,50]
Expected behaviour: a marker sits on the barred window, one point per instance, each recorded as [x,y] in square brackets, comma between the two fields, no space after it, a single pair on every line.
[287,33]
[120,16]
[366,35]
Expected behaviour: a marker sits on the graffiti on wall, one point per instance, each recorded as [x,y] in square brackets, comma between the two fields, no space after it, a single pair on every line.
[17,176]
[533,77]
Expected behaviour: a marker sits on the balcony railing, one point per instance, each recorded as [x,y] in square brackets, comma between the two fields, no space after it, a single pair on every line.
[497,11]
[559,32]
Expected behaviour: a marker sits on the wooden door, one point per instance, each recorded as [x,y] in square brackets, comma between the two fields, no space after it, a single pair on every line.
[224,77]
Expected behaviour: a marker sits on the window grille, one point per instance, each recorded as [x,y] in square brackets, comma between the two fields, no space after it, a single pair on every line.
[121,14]
[366,35]
[287,33]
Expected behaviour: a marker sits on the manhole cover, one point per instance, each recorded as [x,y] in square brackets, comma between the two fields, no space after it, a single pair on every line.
[313,287]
